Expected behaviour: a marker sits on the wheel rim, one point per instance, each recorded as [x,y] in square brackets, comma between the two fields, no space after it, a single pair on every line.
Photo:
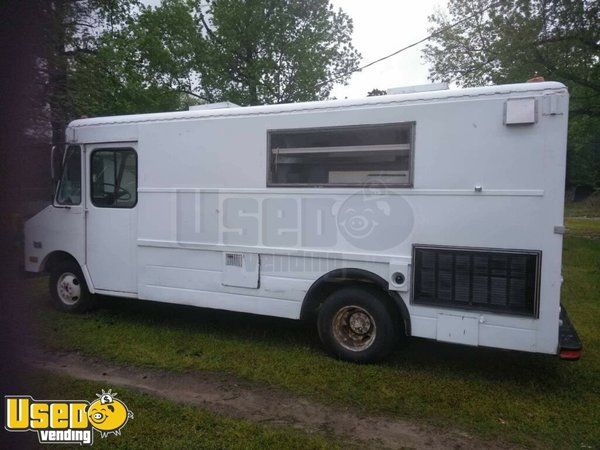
[68,288]
[354,328]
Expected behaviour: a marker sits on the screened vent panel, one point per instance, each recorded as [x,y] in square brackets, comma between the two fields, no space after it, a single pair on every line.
[491,280]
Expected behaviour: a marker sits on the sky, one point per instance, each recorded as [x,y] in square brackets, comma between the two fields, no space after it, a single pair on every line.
[382,27]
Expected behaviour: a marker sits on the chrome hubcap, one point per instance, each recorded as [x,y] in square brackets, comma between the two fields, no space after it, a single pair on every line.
[68,288]
[354,328]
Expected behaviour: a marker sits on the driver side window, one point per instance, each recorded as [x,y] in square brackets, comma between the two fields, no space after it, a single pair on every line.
[114,178]
[69,187]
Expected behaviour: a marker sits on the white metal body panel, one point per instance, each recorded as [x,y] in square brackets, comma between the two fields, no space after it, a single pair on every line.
[458,328]
[55,229]
[209,160]
[240,270]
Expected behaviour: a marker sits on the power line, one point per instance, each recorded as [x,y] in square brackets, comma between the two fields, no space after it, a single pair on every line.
[426,38]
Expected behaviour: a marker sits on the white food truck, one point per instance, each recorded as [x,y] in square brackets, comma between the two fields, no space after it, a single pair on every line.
[434,214]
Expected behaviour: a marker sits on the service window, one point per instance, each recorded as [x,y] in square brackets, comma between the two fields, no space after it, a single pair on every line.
[69,186]
[342,156]
[114,178]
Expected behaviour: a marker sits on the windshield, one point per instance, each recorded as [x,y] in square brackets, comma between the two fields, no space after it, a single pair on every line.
[69,187]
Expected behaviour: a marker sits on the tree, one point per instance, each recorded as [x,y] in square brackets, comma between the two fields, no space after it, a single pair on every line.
[274,51]
[71,30]
[376,92]
[110,57]
[132,72]
[513,40]
[246,51]
[163,51]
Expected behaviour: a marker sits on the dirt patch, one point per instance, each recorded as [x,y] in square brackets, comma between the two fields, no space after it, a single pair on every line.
[237,398]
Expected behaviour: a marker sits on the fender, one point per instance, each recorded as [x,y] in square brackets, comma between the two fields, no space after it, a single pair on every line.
[316,293]
[59,255]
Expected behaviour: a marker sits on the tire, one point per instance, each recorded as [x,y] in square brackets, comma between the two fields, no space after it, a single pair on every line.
[69,290]
[357,324]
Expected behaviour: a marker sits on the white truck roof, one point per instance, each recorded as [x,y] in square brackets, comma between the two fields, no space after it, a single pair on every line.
[507,89]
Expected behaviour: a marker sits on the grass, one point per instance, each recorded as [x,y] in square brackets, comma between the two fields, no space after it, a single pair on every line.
[162,424]
[527,399]
[590,207]
[583,226]
[583,217]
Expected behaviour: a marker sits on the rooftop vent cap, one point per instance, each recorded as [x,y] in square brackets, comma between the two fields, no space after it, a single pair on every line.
[219,105]
[418,88]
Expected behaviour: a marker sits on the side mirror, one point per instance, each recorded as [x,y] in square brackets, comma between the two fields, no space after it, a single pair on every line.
[53,172]
[56,161]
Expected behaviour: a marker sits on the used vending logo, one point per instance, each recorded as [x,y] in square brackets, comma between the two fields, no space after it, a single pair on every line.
[67,421]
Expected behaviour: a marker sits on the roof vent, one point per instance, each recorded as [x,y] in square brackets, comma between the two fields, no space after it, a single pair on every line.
[418,88]
[219,105]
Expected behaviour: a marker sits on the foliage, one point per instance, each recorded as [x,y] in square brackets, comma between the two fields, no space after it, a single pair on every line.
[72,29]
[587,207]
[133,72]
[513,40]
[247,52]
[376,92]
[120,57]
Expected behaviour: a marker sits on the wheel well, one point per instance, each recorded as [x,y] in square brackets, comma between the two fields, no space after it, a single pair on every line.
[335,279]
[55,258]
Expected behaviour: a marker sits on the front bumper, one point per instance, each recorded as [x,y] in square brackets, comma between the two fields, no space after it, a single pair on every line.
[569,345]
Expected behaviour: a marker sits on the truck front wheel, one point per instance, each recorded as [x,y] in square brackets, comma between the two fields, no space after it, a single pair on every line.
[357,324]
[68,288]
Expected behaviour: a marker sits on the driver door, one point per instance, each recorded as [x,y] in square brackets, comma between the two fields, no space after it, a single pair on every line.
[111,219]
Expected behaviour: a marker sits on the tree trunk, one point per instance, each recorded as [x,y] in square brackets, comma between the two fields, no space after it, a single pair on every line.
[252,77]
[57,70]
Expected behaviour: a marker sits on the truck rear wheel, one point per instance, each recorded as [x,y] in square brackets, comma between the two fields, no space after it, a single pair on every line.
[68,288]
[356,324]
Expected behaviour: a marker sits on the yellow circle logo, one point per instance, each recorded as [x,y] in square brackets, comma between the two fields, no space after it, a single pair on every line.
[108,414]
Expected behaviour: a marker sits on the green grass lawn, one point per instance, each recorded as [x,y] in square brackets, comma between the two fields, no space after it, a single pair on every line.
[583,217]
[163,424]
[590,207]
[583,227]
[527,399]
